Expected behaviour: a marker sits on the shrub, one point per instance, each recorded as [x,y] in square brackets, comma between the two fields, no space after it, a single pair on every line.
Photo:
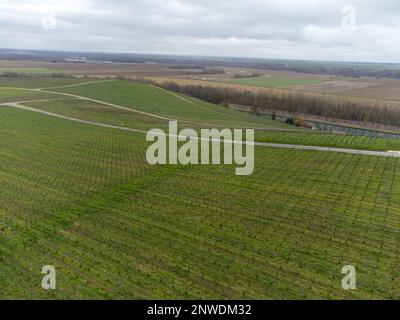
[299,122]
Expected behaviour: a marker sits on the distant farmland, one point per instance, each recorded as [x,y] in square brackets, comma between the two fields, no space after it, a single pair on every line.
[276,81]
[26,70]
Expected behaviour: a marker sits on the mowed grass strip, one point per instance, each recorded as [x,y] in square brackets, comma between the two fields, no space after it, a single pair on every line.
[84,199]
[92,111]
[14,95]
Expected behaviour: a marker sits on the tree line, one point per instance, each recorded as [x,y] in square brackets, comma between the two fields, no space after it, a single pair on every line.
[333,108]
[348,72]
[12,74]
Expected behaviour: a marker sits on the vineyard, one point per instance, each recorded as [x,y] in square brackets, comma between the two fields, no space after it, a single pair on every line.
[82,198]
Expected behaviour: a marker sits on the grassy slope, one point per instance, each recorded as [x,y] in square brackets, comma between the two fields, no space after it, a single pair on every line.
[12,95]
[91,111]
[158,101]
[84,200]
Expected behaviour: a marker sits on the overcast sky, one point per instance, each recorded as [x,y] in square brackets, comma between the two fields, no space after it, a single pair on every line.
[293,29]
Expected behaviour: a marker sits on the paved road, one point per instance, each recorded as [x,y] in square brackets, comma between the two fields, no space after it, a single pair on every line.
[261,144]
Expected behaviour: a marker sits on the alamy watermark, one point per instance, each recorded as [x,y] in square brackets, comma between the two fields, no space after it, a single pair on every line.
[349,281]
[349,17]
[49,280]
[196,149]
[49,19]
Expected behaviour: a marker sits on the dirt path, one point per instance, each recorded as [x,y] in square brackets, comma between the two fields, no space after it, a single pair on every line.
[157,116]
[76,84]
[261,144]
[44,90]
[106,104]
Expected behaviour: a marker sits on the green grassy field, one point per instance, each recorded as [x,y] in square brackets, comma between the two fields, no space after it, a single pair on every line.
[11,95]
[36,71]
[166,104]
[91,111]
[276,81]
[83,199]
[38,82]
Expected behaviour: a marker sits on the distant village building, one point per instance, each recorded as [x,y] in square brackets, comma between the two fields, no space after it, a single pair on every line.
[76,59]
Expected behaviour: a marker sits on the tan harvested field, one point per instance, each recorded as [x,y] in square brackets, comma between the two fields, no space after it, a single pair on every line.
[369,88]
[387,90]
[338,86]
[210,83]
[230,73]
[250,88]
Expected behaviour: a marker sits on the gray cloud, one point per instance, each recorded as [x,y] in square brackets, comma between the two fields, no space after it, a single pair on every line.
[308,29]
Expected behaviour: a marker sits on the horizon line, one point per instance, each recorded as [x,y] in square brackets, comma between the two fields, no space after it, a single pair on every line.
[199,56]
